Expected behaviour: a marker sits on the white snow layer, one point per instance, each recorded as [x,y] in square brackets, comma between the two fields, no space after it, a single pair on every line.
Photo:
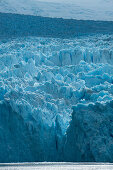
[83,9]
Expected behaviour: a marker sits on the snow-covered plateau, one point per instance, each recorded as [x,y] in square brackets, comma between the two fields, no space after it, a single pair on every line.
[56,99]
[76,9]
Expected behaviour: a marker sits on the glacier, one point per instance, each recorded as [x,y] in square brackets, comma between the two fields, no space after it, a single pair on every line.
[56,99]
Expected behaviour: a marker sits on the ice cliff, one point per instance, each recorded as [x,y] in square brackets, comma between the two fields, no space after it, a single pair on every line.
[56,99]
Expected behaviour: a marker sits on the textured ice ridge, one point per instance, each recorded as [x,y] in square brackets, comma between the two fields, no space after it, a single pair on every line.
[56,99]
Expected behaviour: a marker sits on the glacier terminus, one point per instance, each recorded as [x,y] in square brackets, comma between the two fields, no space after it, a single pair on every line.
[56,99]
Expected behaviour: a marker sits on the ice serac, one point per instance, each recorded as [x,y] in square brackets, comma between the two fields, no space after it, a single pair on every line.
[56,99]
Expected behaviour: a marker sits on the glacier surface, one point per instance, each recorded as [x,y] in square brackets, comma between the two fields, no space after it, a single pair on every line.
[56,99]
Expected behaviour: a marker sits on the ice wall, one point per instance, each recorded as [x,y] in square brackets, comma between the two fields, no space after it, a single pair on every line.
[56,99]
[90,135]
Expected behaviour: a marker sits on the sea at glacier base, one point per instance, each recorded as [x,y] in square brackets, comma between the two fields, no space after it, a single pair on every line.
[56,166]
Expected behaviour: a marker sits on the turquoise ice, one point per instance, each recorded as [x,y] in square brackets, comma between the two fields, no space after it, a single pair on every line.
[56,99]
